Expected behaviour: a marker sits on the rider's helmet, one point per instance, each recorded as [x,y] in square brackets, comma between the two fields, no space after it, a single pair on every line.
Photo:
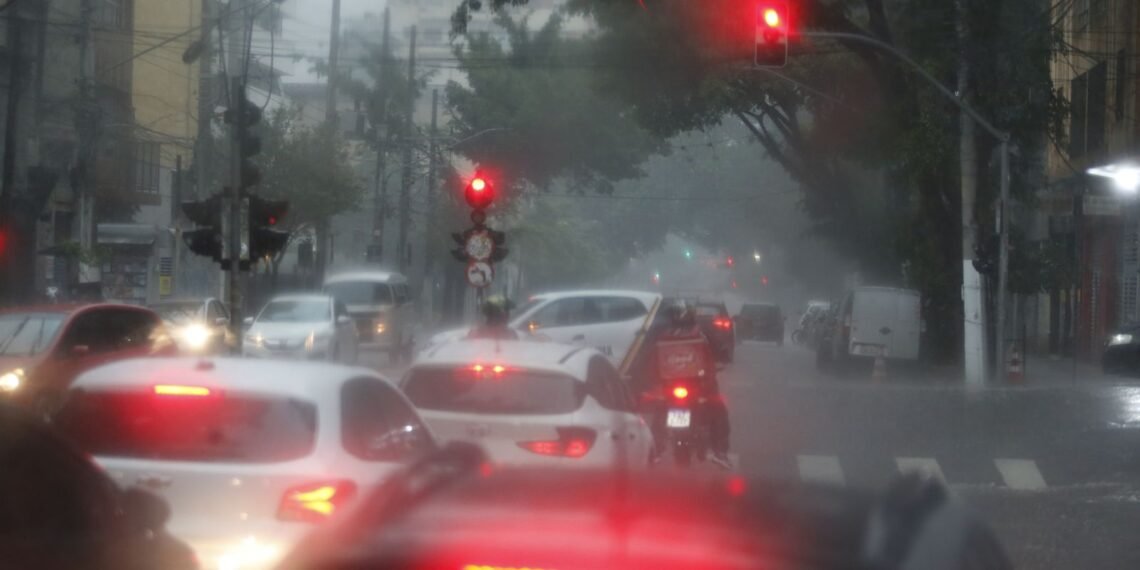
[497,310]
[680,314]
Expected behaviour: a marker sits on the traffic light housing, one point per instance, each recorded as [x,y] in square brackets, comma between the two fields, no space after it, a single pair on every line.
[499,239]
[771,33]
[244,118]
[479,193]
[264,214]
[206,214]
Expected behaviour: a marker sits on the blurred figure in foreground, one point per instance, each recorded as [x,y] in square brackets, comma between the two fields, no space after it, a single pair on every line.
[496,315]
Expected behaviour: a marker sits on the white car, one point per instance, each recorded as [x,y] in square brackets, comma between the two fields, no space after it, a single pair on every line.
[249,454]
[530,403]
[608,320]
[309,326]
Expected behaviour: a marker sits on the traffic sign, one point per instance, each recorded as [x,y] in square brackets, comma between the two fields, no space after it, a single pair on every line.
[479,245]
[480,274]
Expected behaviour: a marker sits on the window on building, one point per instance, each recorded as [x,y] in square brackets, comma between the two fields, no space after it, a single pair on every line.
[147,167]
[113,14]
[1121,74]
[1097,107]
[1078,96]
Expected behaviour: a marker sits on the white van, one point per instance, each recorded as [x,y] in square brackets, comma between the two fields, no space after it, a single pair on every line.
[876,321]
[381,305]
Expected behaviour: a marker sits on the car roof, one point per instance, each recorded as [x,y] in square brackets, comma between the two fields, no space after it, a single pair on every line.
[646,297]
[302,297]
[175,302]
[68,308]
[536,355]
[373,276]
[298,379]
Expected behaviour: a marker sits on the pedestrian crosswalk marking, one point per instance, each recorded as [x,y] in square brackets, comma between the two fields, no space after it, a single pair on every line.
[928,465]
[820,469]
[1020,474]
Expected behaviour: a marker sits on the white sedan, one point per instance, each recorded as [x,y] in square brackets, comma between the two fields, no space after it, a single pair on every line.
[249,454]
[530,403]
[309,326]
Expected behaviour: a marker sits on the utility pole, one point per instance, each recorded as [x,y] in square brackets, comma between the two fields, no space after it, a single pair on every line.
[324,244]
[430,191]
[10,240]
[238,24]
[176,224]
[87,119]
[406,178]
[207,91]
[1003,265]
[973,309]
[380,188]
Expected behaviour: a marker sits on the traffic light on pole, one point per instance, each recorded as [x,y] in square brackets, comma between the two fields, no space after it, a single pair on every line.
[771,33]
[206,214]
[264,214]
[245,118]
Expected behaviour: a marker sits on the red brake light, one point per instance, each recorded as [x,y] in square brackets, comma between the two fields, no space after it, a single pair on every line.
[181,390]
[772,17]
[572,443]
[314,502]
[723,323]
[680,392]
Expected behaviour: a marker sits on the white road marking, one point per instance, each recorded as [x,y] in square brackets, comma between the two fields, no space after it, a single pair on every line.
[928,465]
[820,469]
[1020,474]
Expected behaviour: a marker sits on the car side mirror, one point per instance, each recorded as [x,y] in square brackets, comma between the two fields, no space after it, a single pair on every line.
[145,510]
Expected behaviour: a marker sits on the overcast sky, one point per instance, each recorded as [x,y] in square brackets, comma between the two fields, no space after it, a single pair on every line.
[306,29]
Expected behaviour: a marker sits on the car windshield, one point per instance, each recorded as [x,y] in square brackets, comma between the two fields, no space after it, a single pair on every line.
[180,313]
[289,311]
[228,427]
[513,391]
[26,334]
[360,292]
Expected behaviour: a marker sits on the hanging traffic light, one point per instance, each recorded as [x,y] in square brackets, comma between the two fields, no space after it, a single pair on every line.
[206,214]
[245,118]
[480,193]
[730,262]
[764,280]
[264,214]
[688,254]
[771,33]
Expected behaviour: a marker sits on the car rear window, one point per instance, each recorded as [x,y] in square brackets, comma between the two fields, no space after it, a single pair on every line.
[484,392]
[360,292]
[219,427]
[709,310]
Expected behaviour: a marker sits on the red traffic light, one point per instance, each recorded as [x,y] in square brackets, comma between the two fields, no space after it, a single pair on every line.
[771,33]
[730,261]
[479,193]
[764,280]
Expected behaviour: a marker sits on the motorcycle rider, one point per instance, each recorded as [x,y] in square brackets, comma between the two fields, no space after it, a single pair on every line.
[496,315]
[678,325]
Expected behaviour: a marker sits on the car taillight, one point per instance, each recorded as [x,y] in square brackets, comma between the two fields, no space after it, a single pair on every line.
[723,323]
[315,502]
[181,390]
[680,392]
[572,442]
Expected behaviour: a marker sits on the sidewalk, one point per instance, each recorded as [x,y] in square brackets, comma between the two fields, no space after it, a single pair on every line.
[1049,371]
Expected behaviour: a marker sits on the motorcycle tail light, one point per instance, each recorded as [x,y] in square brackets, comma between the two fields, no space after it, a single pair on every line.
[680,392]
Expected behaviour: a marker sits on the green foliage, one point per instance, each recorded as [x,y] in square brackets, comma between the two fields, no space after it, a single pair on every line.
[309,167]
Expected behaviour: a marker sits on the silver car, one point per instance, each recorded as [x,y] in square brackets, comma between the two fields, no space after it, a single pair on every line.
[305,326]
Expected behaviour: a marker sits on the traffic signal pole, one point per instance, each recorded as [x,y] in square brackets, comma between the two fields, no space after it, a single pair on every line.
[231,209]
[1003,202]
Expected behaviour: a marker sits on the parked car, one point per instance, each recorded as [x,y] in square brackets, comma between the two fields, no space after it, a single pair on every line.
[60,511]
[761,321]
[381,306]
[198,326]
[250,454]
[718,327]
[1122,351]
[873,322]
[530,403]
[306,326]
[43,349]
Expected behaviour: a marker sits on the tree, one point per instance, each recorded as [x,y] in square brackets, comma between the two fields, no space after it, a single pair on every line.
[308,166]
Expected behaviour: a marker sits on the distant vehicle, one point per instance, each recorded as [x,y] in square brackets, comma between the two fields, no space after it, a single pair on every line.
[718,327]
[43,349]
[307,326]
[198,326]
[381,306]
[249,453]
[58,510]
[761,321]
[874,322]
[530,403]
[454,510]
[1122,351]
[606,319]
